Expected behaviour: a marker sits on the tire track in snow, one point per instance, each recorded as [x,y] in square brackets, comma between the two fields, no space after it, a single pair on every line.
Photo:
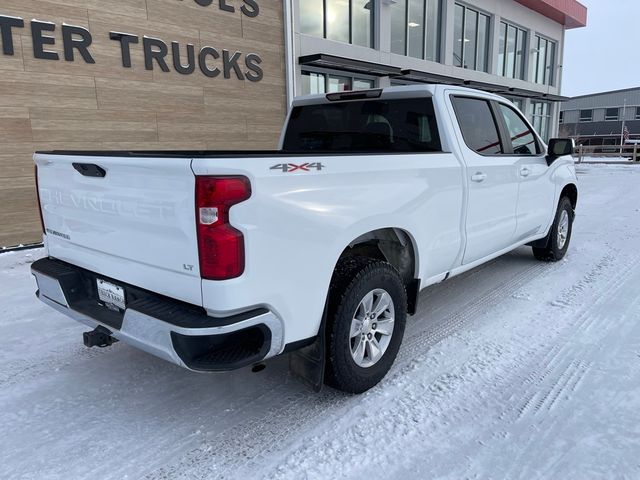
[546,425]
[461,317]
[572,294]
[567,364]
[264,434]
[16,372]
[563,367]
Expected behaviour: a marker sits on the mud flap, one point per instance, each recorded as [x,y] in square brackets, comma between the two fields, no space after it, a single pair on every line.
[542,243]
[308,363]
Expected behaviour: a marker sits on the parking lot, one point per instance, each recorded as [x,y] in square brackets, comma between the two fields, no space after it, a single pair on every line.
[517,369]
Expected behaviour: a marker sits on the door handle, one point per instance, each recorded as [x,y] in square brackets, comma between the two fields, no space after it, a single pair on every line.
[479,177]
[525,172]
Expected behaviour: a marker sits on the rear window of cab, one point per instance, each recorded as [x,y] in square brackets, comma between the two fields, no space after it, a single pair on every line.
[402,125]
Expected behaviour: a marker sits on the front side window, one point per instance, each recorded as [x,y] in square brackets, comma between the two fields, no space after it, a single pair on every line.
[478,126]
[364,126]
[545,60]
[523,141]
[471,39]
[612,114]
[511,53]
[415,28]
[347,21]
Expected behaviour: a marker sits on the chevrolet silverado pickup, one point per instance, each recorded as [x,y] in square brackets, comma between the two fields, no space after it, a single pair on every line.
[217,260]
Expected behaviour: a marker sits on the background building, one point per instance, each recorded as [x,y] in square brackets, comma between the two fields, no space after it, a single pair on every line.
[597,119]
[205,74]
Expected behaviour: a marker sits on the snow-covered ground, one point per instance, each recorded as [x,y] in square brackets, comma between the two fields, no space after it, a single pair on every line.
[516,370]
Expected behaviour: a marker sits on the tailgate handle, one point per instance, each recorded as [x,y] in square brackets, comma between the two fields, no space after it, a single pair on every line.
[90,170]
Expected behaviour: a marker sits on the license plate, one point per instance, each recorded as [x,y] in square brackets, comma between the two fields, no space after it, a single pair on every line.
[111,294]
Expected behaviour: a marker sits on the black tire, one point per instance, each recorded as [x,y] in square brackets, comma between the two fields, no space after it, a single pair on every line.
[353,278]
[554,252]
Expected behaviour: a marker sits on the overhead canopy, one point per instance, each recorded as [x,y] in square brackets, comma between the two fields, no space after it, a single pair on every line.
[369,68]
[424,77]
[570,13]
[349,65]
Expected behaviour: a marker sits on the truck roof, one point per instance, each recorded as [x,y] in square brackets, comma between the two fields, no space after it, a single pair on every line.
[395,92]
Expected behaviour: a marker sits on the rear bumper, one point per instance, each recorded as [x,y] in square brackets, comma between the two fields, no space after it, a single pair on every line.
[179,333]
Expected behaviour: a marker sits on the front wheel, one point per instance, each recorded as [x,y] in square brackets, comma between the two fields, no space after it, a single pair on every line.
[560,234]
[367,315]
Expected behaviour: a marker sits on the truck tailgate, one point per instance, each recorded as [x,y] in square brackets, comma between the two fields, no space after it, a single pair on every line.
[135,224]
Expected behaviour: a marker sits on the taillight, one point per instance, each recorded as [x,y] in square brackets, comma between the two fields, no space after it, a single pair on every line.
[220,246]
[39,203]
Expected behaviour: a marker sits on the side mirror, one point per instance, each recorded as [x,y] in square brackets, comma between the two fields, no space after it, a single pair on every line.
[560,147]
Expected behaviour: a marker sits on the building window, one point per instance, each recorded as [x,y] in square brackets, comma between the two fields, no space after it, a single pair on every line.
[415,28]
[471,39]
[511,53]
[362,84]
[318,82]
[518,102]
[612,114]
[637,113]
[542,118]
[348,21]
[586,116]
[311,17]
[561,121]
[313,83]
[545,60]
[337,83]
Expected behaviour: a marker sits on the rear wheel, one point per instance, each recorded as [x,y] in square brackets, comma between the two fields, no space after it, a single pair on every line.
[367,315]
[560,235]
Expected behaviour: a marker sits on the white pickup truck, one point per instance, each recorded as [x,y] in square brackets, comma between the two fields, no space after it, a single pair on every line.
[220,260]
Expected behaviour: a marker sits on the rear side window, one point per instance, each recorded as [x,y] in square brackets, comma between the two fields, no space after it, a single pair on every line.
[364,126]
[523,140]
[478,126]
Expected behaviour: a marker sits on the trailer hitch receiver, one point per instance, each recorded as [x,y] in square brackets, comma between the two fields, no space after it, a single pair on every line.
[100,337]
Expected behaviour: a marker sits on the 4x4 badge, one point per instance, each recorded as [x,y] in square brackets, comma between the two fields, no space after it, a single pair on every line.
[292,167]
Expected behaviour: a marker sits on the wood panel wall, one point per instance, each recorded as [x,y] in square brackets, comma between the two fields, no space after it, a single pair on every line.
[47,104]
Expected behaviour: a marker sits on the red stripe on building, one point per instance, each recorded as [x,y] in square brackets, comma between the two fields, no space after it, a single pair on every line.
[570,13]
